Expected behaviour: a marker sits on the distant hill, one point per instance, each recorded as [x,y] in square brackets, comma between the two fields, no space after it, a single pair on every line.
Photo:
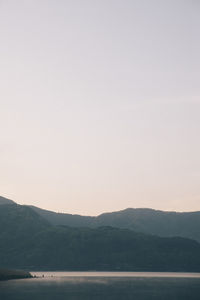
[4,200]
[148,221]
[166,224]
[29,241]
[65,219]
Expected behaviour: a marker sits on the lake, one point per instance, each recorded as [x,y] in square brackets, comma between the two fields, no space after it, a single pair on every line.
[103,286]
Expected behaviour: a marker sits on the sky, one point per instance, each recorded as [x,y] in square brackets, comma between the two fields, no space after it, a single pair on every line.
[100,104]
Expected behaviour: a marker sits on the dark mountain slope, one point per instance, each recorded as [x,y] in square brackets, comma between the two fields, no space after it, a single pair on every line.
[20,220]
[17,225]
[28,241]
[166,224]
[4,200]
[108,248]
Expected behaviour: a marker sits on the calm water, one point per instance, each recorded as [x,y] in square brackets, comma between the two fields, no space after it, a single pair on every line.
[103,285]
[115,274]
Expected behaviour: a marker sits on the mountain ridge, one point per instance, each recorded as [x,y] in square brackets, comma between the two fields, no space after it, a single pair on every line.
[161,223]
[4,200]
[146,220]
[28,241]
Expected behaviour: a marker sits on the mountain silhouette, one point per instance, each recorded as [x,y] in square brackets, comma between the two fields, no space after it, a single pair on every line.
[150,221]
[144,220]
[29,241]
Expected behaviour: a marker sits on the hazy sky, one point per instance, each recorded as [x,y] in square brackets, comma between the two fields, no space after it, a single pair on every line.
[100,104]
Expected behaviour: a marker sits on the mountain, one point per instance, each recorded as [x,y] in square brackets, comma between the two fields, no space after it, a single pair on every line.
[29,241]
[150,221]
[18,224]
[65,219]
[166,224]
[4,200]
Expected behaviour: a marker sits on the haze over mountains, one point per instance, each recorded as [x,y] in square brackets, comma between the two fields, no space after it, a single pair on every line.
[31,238]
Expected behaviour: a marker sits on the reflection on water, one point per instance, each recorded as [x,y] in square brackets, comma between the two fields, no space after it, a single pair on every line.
[114,274]
[101,288]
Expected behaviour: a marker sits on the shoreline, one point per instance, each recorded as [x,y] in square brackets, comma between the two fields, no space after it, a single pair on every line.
[8,274]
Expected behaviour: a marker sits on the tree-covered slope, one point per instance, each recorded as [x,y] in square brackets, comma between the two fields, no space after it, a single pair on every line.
[17,225]
[28,241]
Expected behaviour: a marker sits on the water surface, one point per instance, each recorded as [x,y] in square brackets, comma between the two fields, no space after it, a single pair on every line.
[115,274]
[103,286]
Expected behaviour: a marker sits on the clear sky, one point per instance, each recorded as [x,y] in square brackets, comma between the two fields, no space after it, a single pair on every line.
[100,104]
